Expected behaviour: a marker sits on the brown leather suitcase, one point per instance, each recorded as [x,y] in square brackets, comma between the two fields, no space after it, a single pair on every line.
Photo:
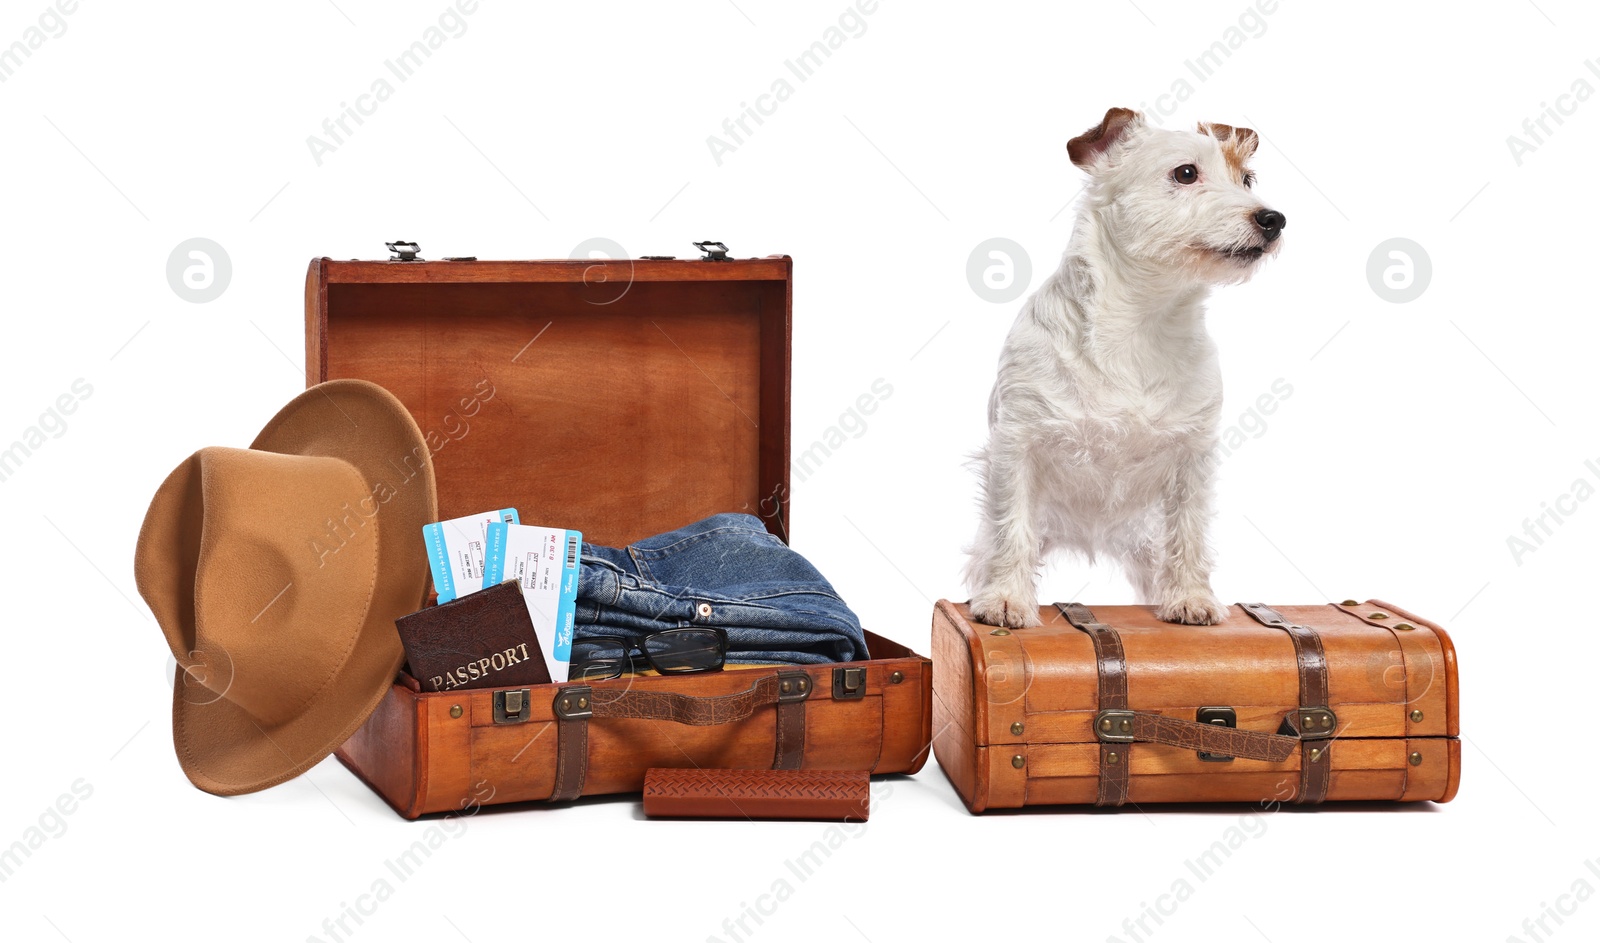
[624,399]
[1276,705]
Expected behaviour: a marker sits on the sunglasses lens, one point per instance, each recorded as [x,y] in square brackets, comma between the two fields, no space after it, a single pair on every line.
[685,650]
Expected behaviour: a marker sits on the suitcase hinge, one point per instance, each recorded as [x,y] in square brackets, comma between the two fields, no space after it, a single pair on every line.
[849,684]
[511,706]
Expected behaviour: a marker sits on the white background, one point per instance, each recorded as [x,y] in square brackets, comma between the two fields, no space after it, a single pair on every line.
[1417,439]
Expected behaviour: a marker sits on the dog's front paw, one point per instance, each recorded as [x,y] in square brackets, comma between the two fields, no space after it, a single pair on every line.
[1011,612]
[1196,609]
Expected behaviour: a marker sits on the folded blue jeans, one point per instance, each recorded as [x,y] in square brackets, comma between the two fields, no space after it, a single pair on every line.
[724,571]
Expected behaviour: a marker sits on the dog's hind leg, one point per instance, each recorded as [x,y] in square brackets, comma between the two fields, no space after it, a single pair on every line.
[1003,566]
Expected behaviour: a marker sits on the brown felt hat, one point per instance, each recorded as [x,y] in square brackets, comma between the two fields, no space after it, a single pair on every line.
[276,573]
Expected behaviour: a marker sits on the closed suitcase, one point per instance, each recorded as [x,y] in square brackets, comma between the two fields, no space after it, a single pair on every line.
[625,399]
[1109,705]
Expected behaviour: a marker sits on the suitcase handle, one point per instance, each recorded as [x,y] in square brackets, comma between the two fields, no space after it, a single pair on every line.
[576,704]
[782,687]
[1119,726]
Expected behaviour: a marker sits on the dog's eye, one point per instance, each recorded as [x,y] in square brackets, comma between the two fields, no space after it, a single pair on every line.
[1186,174]
[1249,179]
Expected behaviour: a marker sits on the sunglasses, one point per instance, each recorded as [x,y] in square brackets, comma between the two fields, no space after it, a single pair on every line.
[669,652]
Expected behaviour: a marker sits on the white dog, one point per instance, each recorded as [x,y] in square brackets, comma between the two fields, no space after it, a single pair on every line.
[1104,414]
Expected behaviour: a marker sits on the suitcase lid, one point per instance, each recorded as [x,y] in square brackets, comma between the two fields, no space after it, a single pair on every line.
[622,398]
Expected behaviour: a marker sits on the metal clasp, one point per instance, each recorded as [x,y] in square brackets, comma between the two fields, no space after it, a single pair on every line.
[511,706]
[1221,717]
[849,684]
[404,251]
[1114,726]
[718,254]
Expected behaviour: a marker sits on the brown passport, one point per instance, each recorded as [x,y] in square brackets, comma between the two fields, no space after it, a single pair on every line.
[839,795]
[481,640]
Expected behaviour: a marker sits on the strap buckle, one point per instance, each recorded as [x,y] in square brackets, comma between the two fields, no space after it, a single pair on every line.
[1114,726]
[574,702]
[1313,723]
[794,686]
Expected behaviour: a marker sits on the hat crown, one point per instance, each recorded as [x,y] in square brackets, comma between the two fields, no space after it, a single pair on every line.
[285,560]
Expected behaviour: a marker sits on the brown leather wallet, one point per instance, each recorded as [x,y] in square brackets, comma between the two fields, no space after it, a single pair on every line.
[832,794]
[481,640]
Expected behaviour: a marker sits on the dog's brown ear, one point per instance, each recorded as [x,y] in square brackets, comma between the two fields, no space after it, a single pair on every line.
[1239,143]
[1087,148]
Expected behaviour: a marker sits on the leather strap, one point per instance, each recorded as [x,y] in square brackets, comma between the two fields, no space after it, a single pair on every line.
[1111,665]
[572,758]
[575,705]
[1315,762]
[790,752]
[696,711]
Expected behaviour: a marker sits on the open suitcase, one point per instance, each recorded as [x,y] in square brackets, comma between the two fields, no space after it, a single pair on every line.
[1275,705]
[625,399]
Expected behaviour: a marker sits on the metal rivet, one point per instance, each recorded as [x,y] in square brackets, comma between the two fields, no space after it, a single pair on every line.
[1416,759]
[1404,626]
[784,687]
[1016,729]
[1349,602]
[1106,725]
[1327,721]
[802,685]
[1416,717]
[1112,758]
[704,609]
[583,702]
[1379,615]
[897,677]
[1017,761]
[566,703]
[455,710]
[1001,632]
[1316,754]
[1126,726]
[1308,721]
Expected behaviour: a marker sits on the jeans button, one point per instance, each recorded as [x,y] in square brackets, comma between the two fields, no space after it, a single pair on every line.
[704,610]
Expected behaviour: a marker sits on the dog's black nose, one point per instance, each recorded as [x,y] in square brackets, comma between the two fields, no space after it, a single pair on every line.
[1271,223]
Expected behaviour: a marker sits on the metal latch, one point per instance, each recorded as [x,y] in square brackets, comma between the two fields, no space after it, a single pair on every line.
[574,702]
[718,254]
[404,251]
[511,706]
[1315,723]
[1221,717]
[1114,726]
[849,684]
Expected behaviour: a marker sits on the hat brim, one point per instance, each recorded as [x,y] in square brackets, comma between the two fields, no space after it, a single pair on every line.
[221,747]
